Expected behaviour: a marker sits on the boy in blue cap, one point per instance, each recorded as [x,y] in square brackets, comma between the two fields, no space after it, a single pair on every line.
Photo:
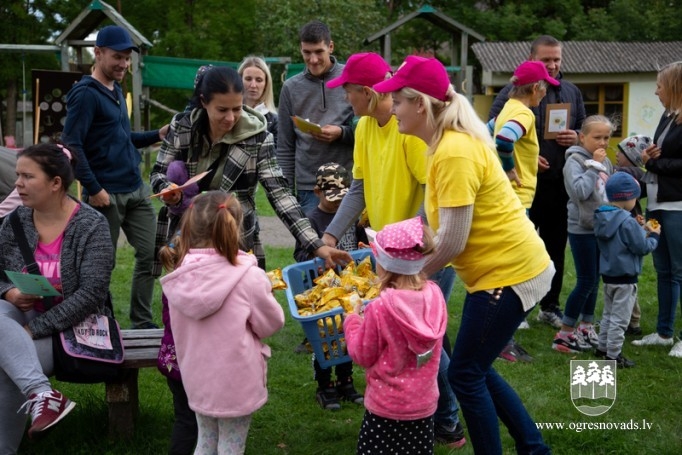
[622,244]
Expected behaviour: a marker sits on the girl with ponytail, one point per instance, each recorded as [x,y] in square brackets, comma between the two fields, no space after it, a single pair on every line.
[221,307]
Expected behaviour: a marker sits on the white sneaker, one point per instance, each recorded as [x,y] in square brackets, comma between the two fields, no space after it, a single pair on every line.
[524,325]
[676,351]
[589,335]
[654,339]
[551,317]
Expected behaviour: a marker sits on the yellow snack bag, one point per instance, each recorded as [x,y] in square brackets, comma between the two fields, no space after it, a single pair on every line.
[330,322]
[372,293]
[350,269]
[349,301]
[364,268]
[330,305]
[275,277]
[352,283]
[331,294]
[329,279]
[303,300]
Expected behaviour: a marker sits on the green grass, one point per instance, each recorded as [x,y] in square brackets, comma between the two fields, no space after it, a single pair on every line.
[263,206]
[292,423]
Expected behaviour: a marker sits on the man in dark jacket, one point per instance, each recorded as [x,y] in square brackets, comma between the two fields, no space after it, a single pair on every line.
[548,211]
[97,129]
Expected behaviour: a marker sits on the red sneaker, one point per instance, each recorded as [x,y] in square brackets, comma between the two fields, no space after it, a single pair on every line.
[46,408]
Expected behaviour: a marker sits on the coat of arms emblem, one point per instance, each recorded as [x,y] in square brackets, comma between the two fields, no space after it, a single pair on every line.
[593,385]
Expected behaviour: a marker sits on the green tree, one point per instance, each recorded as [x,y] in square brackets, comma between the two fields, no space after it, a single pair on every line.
[350,22]
[231,29]
[22,22]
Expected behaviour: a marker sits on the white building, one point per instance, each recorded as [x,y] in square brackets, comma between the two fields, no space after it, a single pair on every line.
[617,79]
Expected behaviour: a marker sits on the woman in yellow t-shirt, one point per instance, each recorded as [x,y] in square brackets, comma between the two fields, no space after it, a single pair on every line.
[389,173]
[483,230]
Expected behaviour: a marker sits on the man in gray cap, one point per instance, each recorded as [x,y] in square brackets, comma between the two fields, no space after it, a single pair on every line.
[97,129]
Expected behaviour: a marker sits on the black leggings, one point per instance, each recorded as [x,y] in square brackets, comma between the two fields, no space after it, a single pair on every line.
[185,430]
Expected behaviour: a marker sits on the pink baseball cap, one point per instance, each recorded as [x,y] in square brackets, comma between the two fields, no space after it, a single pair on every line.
[364,69]
[426,75]
[532,71]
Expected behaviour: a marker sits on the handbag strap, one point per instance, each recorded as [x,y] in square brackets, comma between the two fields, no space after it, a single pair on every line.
[20,236]
[29,258]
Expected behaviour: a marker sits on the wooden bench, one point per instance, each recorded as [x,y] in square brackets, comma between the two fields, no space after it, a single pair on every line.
[141,351]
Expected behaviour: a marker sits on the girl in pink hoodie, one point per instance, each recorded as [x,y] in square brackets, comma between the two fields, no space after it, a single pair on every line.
[398,338]
[221,307]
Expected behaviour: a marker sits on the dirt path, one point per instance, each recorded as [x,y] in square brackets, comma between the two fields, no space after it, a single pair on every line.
[274,233]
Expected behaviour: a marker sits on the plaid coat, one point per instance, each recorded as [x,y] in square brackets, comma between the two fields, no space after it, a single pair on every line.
[248,158]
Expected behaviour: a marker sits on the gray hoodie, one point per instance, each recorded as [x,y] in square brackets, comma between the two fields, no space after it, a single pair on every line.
[585,181]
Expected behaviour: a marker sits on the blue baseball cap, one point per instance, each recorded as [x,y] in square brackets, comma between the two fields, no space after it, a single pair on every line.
[621,186]
[116,38]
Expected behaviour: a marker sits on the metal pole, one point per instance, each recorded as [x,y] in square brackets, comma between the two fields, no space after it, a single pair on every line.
[23,105]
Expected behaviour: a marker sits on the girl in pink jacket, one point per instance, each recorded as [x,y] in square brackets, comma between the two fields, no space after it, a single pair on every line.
[221,307]
[398,338]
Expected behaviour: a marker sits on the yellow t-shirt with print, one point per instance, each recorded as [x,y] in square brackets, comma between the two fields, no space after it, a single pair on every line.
[526,148]
[393,168]
[503,248]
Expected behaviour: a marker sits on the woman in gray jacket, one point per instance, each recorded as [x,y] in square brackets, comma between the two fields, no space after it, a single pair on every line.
[72,247]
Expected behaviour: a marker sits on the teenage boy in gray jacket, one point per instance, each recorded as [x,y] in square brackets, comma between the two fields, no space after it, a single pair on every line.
[306,95]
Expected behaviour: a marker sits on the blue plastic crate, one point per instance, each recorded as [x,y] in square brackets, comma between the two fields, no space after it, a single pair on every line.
[299,278]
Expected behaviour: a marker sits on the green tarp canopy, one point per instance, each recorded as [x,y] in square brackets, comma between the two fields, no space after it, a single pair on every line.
[171,72]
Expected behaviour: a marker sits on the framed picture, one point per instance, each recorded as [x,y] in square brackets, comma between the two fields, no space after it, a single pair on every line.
[556,119]
[49,96]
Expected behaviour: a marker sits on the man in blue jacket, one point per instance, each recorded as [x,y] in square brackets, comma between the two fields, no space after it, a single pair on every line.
[548,212]
[97,128]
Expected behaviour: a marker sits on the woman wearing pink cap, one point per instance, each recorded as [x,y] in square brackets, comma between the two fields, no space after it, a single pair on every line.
[388,184]
[518,147]
[389,173]
[514,128]
[398,338]
[483,230]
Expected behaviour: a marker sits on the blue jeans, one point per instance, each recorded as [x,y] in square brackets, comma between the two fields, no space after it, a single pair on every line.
[487,325]
[446,412]
[583,299]
[307,200]
[668,264]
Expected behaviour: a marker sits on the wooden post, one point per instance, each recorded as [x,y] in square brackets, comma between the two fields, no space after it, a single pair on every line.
[124,409]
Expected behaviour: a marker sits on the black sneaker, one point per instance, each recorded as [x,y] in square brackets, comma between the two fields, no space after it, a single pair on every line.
[347,392]
[328,399]
[599,353]
[622,362]
[302,349]
[633,330]
[513,352]
[453,439]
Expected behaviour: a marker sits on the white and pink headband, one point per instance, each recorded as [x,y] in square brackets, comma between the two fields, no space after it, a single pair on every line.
[394,247]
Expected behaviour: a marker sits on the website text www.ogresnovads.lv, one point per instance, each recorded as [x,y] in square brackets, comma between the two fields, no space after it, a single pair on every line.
[578,427]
